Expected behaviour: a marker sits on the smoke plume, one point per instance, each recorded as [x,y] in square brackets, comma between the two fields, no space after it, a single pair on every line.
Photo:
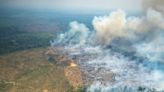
[117,25]
[132,47]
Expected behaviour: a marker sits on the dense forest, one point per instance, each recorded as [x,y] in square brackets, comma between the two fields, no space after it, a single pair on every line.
[12,39]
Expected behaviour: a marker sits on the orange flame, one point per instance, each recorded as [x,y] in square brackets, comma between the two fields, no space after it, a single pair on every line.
[72,64]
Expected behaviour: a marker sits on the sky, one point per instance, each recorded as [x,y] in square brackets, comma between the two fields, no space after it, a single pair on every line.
[76,4]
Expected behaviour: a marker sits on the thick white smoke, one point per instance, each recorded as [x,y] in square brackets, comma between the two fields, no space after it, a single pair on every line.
[141,35]
[109,27]
[117,24]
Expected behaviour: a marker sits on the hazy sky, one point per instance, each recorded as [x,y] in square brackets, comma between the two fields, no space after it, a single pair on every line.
[76,4]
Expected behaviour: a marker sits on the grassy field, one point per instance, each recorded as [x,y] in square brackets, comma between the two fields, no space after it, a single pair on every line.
[30,71]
